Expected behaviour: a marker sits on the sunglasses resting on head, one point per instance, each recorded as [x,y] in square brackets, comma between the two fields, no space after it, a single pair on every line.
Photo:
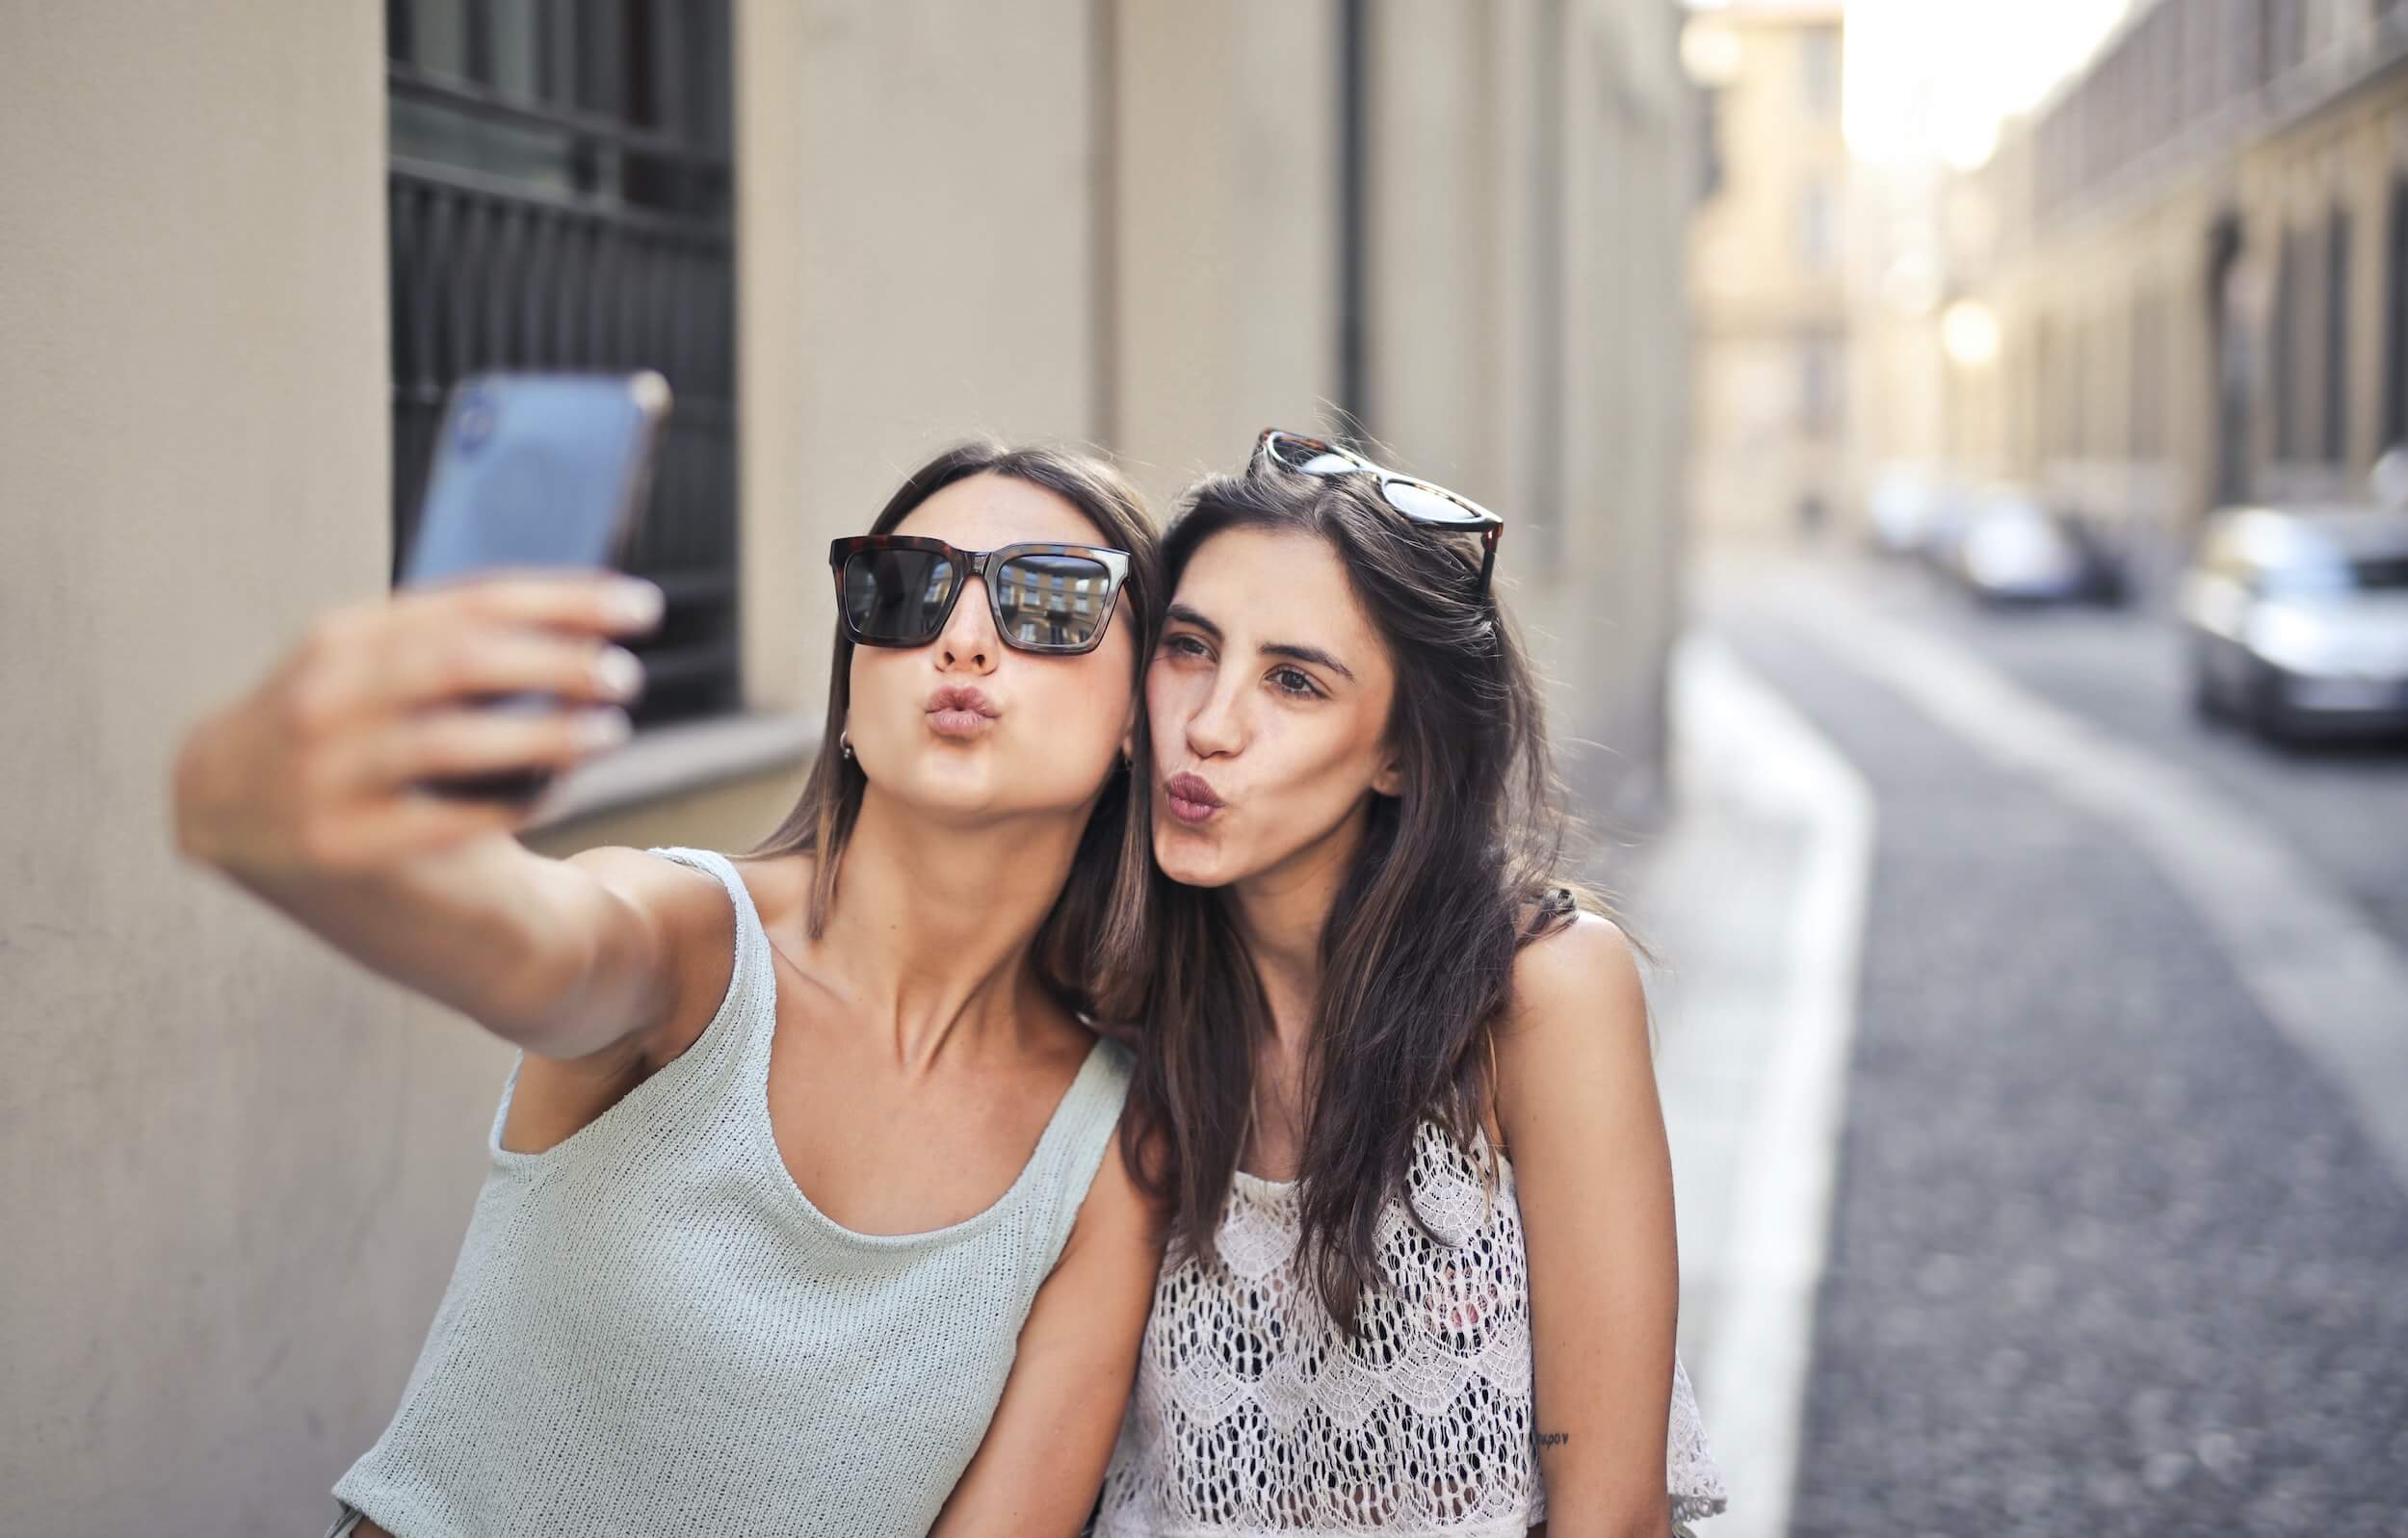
[1421,502]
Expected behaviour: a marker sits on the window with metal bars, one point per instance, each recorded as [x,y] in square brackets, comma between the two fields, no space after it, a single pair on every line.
[560,193]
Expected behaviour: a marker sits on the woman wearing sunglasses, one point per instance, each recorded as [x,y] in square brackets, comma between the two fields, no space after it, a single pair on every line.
[804,1212]
[1396,1086]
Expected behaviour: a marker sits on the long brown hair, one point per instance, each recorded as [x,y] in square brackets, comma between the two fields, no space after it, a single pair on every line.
[1455,876]
[1088,950]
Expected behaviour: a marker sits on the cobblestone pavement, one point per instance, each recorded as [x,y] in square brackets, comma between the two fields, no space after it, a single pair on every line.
[2107,1256]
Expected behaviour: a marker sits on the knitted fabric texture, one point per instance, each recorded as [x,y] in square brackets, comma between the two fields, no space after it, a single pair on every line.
[652,1330]
[1254,1414]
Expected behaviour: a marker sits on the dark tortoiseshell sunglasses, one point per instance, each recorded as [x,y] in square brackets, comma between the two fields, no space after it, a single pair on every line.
[898,590]
[1421,502]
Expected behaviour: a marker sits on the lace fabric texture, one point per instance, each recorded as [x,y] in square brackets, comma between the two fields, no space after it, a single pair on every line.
[1254,1415]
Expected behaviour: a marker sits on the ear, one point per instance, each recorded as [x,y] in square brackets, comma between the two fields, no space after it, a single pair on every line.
[1390,780]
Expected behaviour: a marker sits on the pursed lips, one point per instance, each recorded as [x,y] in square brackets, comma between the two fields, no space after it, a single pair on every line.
[959,711]
[1191,798]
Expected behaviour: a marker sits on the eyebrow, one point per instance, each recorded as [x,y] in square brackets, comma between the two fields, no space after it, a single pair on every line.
[1181,614]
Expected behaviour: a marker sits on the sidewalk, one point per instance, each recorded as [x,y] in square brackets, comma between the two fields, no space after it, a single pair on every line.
[1752,900]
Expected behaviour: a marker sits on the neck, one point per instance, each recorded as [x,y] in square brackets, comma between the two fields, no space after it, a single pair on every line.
[930,936]
[1283,912]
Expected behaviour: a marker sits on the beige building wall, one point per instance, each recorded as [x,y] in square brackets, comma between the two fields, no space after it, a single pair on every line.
[1986,406]
[1219,183]
[1523,336]
[226,1158]
[1602,597]
[2106,390]
[1534,159]
[236,1167]
[1894,392]
[1768,279]
[917,264]
[2072,405]
[1434,172]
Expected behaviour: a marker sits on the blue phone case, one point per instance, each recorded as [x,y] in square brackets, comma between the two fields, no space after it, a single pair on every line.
[534,471]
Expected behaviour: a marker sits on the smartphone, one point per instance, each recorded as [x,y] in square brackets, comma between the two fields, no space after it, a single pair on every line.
[535,470]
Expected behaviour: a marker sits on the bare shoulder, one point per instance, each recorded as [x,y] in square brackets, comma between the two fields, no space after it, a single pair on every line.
[1575,1076]
[1583,965]
[683,903]
[1574,989]
[641,872]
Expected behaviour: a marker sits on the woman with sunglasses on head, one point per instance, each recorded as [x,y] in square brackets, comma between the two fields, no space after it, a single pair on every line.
[804,1212]
[1396,1085]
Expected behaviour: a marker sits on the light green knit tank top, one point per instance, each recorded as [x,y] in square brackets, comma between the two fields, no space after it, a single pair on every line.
[652,1329]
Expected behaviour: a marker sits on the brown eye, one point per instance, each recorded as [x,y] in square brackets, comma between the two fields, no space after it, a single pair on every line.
[1289,681]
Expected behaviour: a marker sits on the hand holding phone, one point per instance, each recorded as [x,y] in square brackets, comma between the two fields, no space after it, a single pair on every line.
[532,472]
[508,596]
[321,767]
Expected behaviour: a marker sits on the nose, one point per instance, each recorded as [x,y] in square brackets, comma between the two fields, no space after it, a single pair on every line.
[968,642]
[1215,729]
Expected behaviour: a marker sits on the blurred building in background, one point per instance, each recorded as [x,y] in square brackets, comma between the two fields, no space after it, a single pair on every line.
[1768,259]
[250,244]
[2183,277]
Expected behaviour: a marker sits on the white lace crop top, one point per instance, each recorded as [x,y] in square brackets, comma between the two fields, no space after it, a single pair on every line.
[1254,1414]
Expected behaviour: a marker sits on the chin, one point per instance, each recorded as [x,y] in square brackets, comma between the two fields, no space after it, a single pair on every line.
[948,785]
[1189,858]
[935,789]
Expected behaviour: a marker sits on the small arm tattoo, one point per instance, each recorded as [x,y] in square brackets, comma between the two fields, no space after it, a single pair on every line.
[1554,1438]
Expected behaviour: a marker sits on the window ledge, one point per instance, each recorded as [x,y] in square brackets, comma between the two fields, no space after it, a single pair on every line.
[667,759]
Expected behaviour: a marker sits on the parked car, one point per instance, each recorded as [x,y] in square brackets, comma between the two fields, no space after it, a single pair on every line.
[2297,619]
[1902,504]
[1944,530]
[2013,548]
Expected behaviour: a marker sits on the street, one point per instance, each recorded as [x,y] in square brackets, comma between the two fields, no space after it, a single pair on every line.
[2343,806]
[2117,1222]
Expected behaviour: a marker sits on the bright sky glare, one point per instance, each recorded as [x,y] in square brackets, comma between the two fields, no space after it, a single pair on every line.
[1937,77]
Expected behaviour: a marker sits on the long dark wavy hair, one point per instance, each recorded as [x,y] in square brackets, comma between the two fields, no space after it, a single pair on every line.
[1090,949]
[1457,874]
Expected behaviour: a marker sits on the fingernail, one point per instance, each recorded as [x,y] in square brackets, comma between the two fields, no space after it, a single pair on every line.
[638,602]
[619,672]
[601,728]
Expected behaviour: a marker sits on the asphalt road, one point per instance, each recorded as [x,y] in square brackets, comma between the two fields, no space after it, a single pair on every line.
[2343,806]
[2108,1255]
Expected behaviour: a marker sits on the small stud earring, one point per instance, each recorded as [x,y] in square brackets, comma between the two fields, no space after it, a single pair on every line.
[844,743]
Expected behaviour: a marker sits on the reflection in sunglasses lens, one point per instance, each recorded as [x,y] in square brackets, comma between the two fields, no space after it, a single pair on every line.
[1422,503]
[898,594]
[1303,456]
[1052,601]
